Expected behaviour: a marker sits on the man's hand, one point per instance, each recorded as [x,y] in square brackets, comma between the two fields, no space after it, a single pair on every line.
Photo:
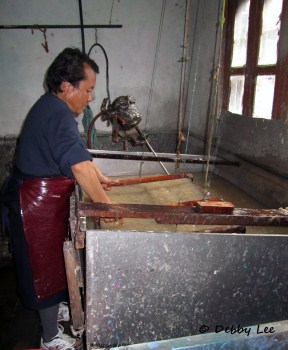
[115,221]
[93,183]
[87,176]
[106,181]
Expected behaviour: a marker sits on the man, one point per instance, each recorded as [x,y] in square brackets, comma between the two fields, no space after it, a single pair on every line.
[50,156]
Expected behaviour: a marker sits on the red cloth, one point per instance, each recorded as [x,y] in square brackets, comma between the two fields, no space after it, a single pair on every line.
[45,212]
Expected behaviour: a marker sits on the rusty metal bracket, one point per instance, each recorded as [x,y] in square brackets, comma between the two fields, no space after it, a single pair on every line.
[80,232]
[78,224]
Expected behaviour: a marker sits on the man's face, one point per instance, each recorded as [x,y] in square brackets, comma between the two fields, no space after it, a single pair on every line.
[77,98]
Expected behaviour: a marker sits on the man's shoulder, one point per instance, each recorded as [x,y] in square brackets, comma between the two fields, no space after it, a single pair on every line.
[51,101]
[48,106]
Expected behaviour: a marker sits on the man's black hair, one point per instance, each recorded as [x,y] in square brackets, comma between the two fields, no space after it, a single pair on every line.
[68,66]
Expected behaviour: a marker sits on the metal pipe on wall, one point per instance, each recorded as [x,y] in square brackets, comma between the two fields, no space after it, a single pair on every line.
[184,59]
[60,26]
[82,29]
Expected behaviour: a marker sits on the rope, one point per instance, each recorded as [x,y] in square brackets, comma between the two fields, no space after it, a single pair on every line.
[183,88]
[212,147]
[153,75]
[195,77]
[155,63]
[111,11]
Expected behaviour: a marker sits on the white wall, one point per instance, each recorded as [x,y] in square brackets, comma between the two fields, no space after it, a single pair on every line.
[131,52]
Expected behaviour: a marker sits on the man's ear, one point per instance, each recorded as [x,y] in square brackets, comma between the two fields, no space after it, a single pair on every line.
[66,86]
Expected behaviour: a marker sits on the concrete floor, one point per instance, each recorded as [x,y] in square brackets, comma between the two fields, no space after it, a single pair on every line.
[19,327]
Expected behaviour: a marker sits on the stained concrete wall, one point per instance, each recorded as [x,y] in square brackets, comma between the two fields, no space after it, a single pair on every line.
[205,32]
[132,53]
[144,60]
[259,141]
[261,148]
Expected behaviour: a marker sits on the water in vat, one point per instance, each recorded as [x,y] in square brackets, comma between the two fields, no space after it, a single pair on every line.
[175,191]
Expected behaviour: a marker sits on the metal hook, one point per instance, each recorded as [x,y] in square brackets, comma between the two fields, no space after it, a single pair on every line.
[45,45]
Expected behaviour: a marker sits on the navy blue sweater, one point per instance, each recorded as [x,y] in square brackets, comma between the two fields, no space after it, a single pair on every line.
[50,142]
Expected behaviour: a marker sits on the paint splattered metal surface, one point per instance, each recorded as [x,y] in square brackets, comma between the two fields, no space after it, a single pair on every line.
[254,338]
[147,286]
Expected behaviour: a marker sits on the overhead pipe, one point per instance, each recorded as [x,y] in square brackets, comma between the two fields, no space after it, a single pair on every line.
[82,29]
[60,26]
[164,157]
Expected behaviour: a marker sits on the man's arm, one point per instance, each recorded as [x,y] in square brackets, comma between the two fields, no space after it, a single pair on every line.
[88,177]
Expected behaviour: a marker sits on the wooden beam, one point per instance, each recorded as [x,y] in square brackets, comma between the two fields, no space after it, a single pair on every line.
[73,286]
[139,180]
[166,214]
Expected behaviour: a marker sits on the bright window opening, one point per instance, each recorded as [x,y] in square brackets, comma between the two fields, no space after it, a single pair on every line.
[240,35]
[270,32]
[264,96]
[236,94]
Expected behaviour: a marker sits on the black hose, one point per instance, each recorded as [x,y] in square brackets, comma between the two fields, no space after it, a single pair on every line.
[81,22]
[107,68]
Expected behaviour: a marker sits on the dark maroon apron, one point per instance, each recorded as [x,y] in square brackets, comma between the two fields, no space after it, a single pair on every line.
[45,211]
